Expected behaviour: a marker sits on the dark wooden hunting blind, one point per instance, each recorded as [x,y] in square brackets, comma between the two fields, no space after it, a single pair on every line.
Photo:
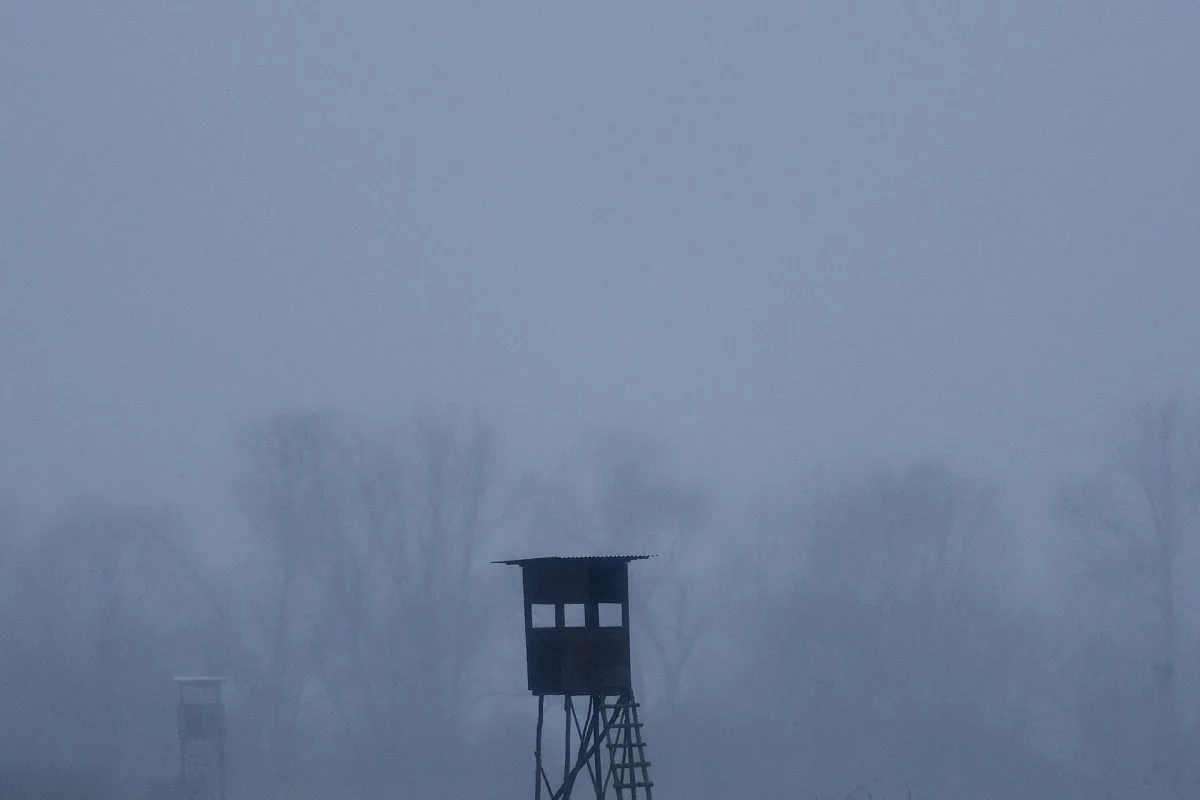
[577,624]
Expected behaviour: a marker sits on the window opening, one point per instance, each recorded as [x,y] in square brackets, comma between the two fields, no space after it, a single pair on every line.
[543,615]
[573,615]
[610,615]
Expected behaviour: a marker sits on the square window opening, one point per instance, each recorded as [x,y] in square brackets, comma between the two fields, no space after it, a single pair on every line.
[543,615]
[573,615]
[610,615]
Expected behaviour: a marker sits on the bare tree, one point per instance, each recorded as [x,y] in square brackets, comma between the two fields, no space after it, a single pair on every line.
[374,537]
[885,632]
[1138,517]
[405,580]
[99,624]
[293,500]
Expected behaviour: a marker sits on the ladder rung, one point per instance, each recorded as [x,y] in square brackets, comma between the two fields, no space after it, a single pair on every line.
[631,765]
[634,704]
[626,745]
[634,785]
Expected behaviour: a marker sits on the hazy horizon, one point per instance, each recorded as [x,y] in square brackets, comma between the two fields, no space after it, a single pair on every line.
[776,235]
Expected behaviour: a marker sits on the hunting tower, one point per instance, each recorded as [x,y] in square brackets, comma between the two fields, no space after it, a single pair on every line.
[577,646]
[202,738]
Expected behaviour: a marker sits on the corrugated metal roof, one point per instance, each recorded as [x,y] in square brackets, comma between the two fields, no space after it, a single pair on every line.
[520,562]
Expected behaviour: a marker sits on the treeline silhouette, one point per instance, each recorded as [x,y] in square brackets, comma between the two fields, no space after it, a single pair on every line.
[868,628]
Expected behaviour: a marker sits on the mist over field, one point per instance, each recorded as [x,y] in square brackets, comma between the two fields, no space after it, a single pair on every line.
[876,323]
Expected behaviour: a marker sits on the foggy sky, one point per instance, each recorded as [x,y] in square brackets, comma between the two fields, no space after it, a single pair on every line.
[776,232]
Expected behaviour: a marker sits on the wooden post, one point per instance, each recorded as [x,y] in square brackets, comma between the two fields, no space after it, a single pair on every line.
[537,754]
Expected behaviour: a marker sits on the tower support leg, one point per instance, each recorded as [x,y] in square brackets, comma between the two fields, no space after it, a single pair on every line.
[606,742]
[539,776]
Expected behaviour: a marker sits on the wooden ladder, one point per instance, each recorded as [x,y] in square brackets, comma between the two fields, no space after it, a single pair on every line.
[629,770]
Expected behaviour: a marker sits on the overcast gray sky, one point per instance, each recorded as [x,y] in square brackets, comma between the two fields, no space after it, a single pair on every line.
[777,232]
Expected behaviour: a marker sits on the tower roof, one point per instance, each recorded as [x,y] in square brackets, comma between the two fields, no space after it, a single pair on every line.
[521,562]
